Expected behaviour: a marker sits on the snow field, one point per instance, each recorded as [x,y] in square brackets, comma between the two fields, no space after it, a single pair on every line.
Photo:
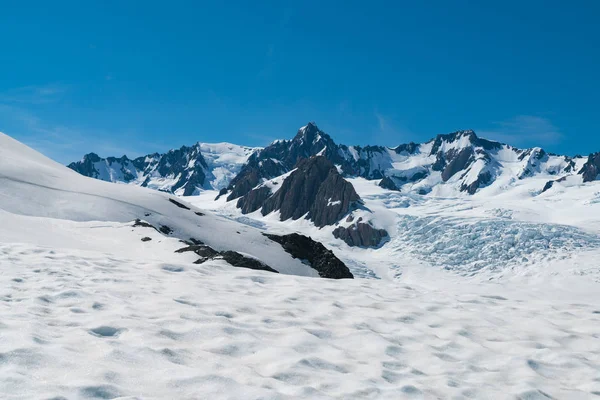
[91,326]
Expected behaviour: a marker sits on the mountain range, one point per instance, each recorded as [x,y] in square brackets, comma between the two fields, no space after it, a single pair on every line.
[184,171]
[449,163]
[307,176]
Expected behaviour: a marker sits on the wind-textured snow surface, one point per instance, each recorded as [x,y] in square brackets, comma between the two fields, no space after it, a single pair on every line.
[84,325]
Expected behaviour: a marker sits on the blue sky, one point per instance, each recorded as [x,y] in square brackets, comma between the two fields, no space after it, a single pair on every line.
[119,77]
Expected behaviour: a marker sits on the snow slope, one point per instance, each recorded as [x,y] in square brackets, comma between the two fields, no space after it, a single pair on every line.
[493,234]
[83,325]
[34,186]
[224,160]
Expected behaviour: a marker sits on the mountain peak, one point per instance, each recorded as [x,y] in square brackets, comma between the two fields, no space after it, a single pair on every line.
[91,157]
[462,139]
[310,132]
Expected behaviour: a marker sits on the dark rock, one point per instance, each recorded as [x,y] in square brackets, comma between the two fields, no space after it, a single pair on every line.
[238,260]
[591,169]
[473,139]
[281,157]
[335,198]
[139,223]
[409,148]
[165,229]
[201,250]
[361,235]
[146,239]
[318,256]
[245,181]
[178,204]
[316,188]
[550,184]
[388,183]
[234,258]
[254,199]
[222,192]
[456,161]
[418,176]
[482,180]
[363,165]
[570,166]
[536,153]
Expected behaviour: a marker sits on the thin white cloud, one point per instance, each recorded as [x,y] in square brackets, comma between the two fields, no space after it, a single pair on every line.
[34,94]
[382,122]
[524,130]
[389,130]
[59,142]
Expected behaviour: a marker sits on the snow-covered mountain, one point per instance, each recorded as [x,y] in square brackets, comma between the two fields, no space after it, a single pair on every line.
[449,164]
[311,177]
[52,205]
[182,171]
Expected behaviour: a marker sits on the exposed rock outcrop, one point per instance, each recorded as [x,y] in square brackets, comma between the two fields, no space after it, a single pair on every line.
[591,169]
[550,184]
[483,179]
[254,199]
[361,234]
[456,161]
[232,257]
[318,256]
[315,190]
[388,183]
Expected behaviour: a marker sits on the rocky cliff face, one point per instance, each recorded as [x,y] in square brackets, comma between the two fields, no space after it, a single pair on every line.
[315,189]
[281,157]
[317,255]
[361,234]
[388,183]
[591,169]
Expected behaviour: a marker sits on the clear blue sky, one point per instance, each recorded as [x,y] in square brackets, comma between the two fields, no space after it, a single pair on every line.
[131,77]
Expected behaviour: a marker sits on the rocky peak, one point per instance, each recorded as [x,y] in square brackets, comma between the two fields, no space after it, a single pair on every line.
[389,184]
[361,234]
[91,157]
[309,133]
[315,189]
[281,157]
[318,256]
[591,169]
[463,138]
[408,148]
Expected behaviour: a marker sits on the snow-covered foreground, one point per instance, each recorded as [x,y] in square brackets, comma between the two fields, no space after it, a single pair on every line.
[94,308]
[81,325]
